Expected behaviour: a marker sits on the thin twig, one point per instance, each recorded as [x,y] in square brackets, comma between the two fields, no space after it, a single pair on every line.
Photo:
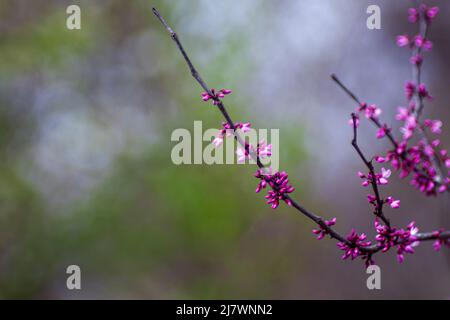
[419,100]
[373,181]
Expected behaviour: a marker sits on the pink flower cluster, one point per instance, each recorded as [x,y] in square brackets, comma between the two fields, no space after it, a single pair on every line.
[351,248]
[429,13]
[263,150]
[279,183]
[371,112]
[379,178]
[215,96]
[404,239]
[227,131]
[419,158]
[322,231]
[438,243]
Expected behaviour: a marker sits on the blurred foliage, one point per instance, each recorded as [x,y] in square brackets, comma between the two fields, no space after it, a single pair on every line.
[25,238]
[44,44]
[148,224]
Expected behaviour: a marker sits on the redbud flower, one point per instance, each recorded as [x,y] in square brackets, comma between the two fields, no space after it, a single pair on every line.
[437,245]
[402,114]
[423,92]
[431,13]
[407,240]
[264,150]
[385,236]
[245,127]
[402,40]
[322,232]
[419,41]
[371,199]
[215,96]
[413,15]
[393,203]
[409,127]
[243,154]
[351,249]
[382,131]
[226,131]
[428,45]
[410,89]
[385,174]
[380,159]
[372,111]
[434,125]
[416,59]
[279,183]
[218,140]
[223,92]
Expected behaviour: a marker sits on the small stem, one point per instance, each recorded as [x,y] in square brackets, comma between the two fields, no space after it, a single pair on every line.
[379,202]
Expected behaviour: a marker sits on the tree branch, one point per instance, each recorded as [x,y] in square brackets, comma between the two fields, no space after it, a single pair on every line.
[373,181]
[312,216]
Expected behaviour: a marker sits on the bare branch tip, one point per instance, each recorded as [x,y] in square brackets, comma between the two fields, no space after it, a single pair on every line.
[156,12]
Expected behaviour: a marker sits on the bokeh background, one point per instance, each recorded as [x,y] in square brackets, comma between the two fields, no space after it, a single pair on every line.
[85,171]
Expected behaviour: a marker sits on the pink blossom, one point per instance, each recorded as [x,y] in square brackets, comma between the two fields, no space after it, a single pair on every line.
[322,232]
[438,243]
[418,41]
[410,89]
[372,111]
[416,60]
[402,40]
[380,159]
[393,203]
[402,114]
[264,150]
[385,174]
[279,183]
[413,15]
[409,127]
[431,13]
[434,125]
[245,127]
[215,96]
[243,154]
[371,199]
[224,92]
[226,131]
[351,247]
[218,140]
[382,132]
[206,96]
[428,45]
[407,240]
[423,92]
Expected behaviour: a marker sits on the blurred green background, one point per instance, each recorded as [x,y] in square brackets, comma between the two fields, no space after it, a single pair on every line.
[86,176]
